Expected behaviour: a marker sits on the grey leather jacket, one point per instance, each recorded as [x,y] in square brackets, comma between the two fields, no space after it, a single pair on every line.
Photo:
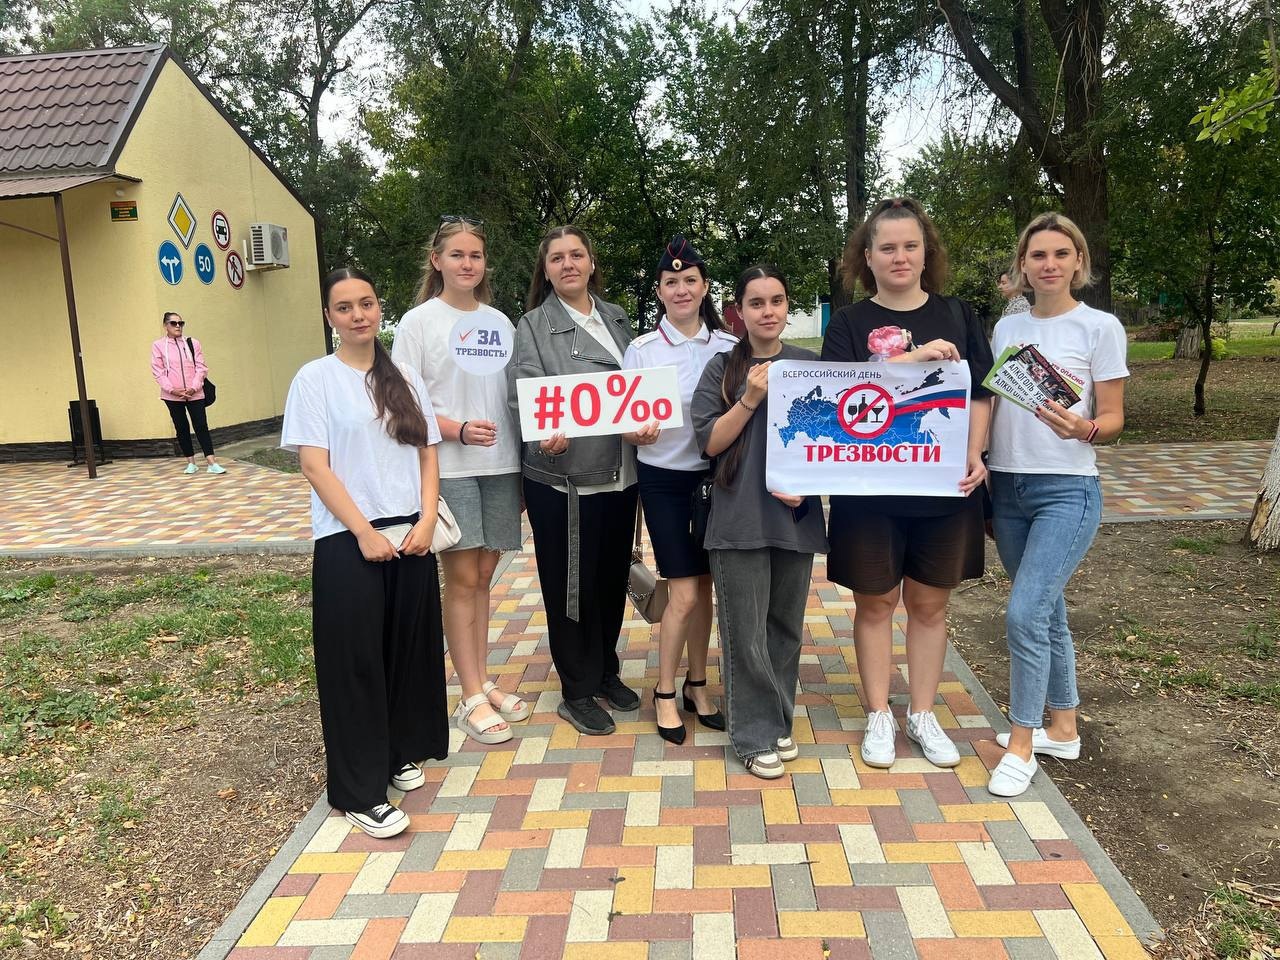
[549,344]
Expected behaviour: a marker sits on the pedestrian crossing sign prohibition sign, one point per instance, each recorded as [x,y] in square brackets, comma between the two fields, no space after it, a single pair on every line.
[235,269]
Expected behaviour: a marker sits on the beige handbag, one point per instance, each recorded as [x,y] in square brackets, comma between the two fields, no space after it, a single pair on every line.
[447,532]
[648,591]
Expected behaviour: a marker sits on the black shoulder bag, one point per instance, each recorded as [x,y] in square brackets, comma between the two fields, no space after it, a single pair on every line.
[210,391]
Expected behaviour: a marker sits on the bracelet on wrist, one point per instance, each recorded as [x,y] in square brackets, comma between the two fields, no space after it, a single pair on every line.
[1093,432]
[748,406]
[462,433]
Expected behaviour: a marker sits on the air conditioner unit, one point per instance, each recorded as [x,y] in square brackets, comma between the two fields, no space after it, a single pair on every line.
[268,246]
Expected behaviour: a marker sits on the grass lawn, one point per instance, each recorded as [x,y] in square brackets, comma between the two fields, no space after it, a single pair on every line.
[157,740]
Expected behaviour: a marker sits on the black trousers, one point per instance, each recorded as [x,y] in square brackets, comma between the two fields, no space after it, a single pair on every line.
[584,651]
[179,410]
[379,647]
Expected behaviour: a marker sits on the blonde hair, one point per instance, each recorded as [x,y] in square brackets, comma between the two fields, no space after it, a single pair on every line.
[1056,222]
[432,282]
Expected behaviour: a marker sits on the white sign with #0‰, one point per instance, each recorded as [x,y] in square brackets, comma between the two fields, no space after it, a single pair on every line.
[598,404]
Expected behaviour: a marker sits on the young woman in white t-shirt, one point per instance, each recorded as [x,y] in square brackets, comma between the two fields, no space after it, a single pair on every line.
[1045,490]
[460,345]
[364,431]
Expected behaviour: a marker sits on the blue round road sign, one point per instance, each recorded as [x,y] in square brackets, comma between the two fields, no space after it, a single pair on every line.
[204,263]
[170,260]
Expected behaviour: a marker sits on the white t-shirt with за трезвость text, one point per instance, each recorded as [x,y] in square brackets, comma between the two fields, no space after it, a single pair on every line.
[425,341]
[329,406]
[1086,346]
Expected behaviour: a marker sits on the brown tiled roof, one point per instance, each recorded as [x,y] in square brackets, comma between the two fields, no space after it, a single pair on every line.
[65,113]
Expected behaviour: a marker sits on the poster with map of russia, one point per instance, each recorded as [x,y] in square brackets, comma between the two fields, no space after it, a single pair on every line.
[867,428]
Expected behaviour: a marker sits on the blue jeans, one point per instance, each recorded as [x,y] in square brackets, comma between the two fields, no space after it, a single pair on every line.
[1044,524]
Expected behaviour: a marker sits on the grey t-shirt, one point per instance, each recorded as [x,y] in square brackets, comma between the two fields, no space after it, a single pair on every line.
[744,515]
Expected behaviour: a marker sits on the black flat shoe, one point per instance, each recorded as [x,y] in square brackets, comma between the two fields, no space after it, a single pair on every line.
[674,735]
[713,721]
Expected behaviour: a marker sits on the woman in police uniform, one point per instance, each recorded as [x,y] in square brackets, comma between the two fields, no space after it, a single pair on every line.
[689,333]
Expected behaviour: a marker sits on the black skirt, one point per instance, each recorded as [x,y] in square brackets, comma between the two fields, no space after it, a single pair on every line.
[667,497]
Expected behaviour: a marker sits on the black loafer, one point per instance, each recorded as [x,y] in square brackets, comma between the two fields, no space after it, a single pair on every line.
[587,716]
[619,695]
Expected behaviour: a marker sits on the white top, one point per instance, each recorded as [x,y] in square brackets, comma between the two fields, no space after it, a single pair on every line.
[330,407]
[594,325]
[666,346]
[1086,345]
[422,341]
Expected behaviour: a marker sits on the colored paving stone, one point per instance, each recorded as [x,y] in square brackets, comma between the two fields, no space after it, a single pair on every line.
[149,506]
[559,845]
[625,846]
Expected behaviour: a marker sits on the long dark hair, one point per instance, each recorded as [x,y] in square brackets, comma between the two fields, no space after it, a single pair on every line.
[854,266]
[540,287]
[707,310]
[737,367]
[393,398]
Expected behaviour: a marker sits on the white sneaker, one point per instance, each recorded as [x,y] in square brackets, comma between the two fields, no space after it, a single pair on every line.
[409,777]
[1040,743]
[877,742]
[381,821]
[1012,776]
[766,766]
[937,746]
[787,749]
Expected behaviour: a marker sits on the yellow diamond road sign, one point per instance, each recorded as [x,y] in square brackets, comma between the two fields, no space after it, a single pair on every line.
[182,220]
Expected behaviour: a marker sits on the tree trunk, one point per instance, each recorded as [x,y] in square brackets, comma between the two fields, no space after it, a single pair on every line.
[1189,339]
[1264,525]
[1206,357]
[1084,200]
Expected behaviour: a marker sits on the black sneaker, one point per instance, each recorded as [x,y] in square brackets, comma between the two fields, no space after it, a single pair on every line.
[588,716]
[381,821]
[409,777]
[619,695]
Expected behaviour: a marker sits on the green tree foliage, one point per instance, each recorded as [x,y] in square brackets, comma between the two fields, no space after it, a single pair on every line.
[969,189]
[1045,64]
[1238,111]
[1192,223]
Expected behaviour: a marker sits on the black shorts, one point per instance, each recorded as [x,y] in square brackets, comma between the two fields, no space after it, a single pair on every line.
[667,497]
[871,551]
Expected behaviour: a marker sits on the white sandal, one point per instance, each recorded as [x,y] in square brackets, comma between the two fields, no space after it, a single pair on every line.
[481,730]
[512,707]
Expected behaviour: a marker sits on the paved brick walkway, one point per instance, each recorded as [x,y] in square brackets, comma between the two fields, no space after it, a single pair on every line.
[561,845]
[150,506]
[558,845]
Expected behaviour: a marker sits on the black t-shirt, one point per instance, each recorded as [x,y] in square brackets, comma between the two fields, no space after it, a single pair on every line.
[846,341]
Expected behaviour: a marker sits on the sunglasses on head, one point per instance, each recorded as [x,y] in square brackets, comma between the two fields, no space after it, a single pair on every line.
[176,323]
[455,218]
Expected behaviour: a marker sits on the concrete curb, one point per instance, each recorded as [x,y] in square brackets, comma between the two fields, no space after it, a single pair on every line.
[276,548]
[1178,518]
[1113,881]
[232,929]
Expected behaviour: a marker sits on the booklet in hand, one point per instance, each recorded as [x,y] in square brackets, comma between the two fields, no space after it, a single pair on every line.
[1025,376]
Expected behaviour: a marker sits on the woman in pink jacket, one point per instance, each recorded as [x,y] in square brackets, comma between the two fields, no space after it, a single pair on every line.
[178,366]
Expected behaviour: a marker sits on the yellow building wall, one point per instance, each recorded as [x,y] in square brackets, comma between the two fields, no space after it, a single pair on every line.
[254,338]
[36,373]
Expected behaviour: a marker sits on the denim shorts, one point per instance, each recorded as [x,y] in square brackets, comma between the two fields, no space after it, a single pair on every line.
[487,510]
